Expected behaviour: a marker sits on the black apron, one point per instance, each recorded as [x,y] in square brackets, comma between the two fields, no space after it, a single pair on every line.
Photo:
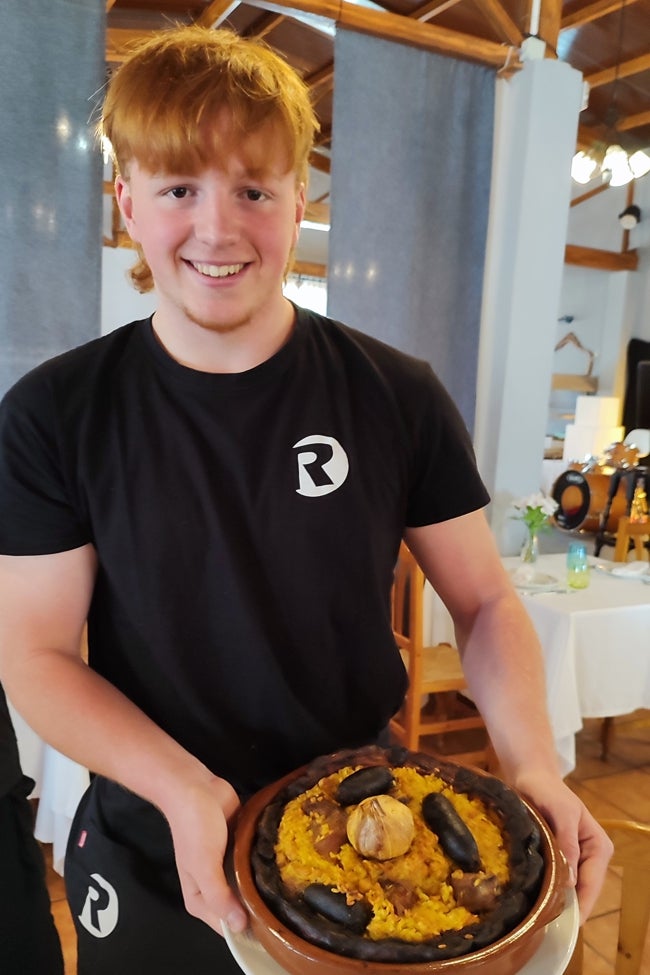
[125,895]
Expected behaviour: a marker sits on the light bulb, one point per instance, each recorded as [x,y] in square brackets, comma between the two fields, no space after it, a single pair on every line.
[621,174]
[583,167]
[639,163]
[616,163]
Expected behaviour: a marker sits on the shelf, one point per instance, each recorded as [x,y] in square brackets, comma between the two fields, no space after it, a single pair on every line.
[579,384]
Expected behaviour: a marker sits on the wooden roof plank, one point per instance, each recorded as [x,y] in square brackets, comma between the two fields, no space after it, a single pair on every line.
[550,22]
[119,39]
[431,9]
[216,12]
[601,260]
[633,121]
[395,27]
[308,269]
[501,20]
[317,212]
[593,11]
[263,25]
[320,77]
[623,70]
[320,162]
[588,195]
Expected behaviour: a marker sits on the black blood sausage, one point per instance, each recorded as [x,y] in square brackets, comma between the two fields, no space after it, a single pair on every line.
[334,906]
[453,835]
[374,780]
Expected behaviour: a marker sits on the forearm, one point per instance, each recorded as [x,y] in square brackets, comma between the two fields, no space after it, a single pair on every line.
[504,667]
[86,718]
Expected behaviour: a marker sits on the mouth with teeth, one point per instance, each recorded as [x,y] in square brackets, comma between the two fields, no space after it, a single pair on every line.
[217,270]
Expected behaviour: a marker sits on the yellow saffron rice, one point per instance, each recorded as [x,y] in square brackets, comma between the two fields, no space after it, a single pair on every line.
[423,867]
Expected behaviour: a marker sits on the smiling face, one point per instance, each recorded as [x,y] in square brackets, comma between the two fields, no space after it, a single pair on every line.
[218,240]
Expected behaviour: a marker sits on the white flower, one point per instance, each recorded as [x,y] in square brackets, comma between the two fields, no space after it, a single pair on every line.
[548,506]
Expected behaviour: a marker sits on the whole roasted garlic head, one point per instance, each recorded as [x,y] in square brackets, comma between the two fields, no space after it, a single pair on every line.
[381,828]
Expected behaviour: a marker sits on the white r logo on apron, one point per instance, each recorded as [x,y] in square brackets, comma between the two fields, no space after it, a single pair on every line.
[100,911]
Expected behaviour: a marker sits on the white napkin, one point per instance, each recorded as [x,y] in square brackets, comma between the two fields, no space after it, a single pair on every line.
[631,569]
[524,575]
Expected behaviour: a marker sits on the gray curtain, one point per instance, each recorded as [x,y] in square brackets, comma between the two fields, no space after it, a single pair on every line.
[51,76]
[411,170]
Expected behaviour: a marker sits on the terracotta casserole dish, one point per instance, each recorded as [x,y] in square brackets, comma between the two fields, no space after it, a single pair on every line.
[301,940]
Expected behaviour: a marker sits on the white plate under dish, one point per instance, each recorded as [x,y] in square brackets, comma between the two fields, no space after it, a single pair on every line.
[619,570]
[551,958]
[534,582]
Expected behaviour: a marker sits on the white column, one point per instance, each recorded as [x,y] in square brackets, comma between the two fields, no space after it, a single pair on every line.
[535,131]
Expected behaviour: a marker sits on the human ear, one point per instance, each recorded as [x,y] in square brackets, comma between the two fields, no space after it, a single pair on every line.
[301,204]
[125,203]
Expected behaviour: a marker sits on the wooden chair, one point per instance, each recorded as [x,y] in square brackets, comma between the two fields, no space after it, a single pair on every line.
[631,853]
[637,532]
[434,704]
[626,532]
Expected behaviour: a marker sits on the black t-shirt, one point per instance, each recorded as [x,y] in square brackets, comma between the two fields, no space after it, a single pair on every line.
[246,528]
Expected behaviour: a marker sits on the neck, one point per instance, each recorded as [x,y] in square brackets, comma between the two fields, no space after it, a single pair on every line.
[210,350]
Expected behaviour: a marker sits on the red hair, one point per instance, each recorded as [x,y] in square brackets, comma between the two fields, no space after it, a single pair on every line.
[185,98]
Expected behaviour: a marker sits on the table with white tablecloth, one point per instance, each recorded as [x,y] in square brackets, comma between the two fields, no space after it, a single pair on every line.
[596,644]
[59,785]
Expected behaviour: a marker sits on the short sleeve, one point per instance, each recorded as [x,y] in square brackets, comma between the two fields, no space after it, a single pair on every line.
[38,515]
[446,482]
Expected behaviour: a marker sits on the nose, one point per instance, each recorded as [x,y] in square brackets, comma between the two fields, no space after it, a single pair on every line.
[216,220]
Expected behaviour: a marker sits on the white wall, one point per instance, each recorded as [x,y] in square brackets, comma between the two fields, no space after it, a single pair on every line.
[608,307]
[637,309]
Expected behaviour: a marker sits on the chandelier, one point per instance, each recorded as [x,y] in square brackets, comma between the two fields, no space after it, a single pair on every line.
[609,159]
[614,165]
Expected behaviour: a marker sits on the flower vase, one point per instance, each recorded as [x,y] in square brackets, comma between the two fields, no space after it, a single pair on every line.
[530,548]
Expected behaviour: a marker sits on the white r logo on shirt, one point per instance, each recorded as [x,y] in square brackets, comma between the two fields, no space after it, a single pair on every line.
[323,468]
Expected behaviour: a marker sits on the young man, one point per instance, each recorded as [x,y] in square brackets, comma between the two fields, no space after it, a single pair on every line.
[222,491]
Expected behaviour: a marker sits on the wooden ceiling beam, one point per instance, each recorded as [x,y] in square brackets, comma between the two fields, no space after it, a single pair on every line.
[589,136]
[320,77]
[431,9]
[263,25]
[593,11]
[501,20]
[633,121]
[550,22]
[623,70]
[216,12]
[601,260]
[320,162]
[395,27]
[588,195]
[376,23]
[308,269]
[119,39]
[317,212]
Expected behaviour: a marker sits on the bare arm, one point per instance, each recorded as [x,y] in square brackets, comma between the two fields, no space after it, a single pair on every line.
[44,602]
[503,663]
